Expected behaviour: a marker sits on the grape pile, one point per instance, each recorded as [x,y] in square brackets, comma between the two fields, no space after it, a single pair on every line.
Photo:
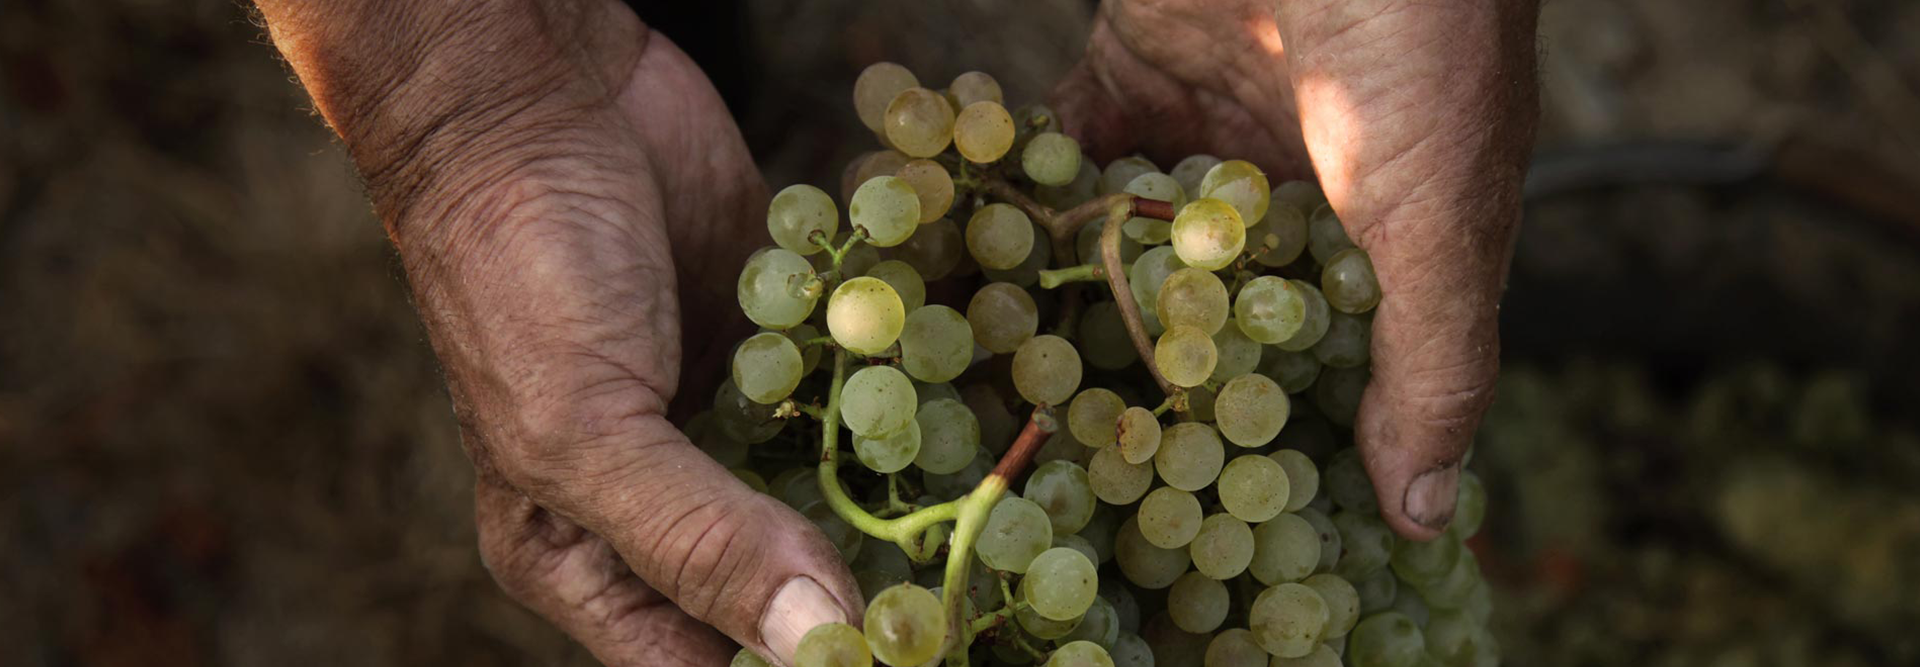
[1203,513]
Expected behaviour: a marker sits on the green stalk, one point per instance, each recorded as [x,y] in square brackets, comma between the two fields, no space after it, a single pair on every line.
[905,531]
[974,509]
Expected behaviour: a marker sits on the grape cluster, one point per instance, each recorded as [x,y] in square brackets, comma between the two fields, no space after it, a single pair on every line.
[1189,501]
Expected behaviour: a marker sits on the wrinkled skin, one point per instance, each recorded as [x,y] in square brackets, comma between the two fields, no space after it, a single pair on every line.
[568,196]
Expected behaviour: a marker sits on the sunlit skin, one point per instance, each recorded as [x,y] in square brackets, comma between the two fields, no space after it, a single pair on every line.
[567,194]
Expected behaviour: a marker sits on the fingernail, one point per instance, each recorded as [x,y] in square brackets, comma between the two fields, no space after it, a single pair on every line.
[1429,499]
[799,606]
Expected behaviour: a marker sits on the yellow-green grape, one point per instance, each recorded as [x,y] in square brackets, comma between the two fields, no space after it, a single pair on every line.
[1146,565]
[1234,647]
[1343,602]
[877,401]
[1241,184]
[1288,619]
[933,250]
[853,264]
[1046,370]
[1294,371]
[747,658]
[1101,624]
[1238,355]
[1051,158]
[1280,237]
[1326,236]
[1313,324]
[799,211]
[1169,517]
[1197,603]
[953,485]
[1185,355]
[884,566]
[997,427]
[1423,563]
[1348,341]
[1191,170]
[891,453]
[887,207]
[999,236]
[1348,282]
[1366,544]
[1094,416]
[1251,410]
[1149,273]
[972,87]
[1330,541]
[777,288]
[833,645]
[1122,171]
[1269,309]
[949,436]
[1103,338]
[1060,584]
[904,280]
[1003,316]
[1389,639]
[1190,456]
[742,419]
[1080,654]
[906,625]
[1114,480]
[1087,245]
[1027,273]
[1337,393]
[766,367]
[919,122]
[932,391]
[983,132]
[1159,187]
[1029,121]
[1137,434]
[936,344]
[1456,588]
[932,184]
[809,353]
[1063,490]
[866,167]
[877,85]
[1453,638]
[845,538]
[1084,187]
[1041,627]
[1017,531]
[1303,479]
[1470,506]
[1192,297]
[1223,547]
[1060,446]
[1207,234]
[1322,656]
[1285,548]
[1254,488]
[1348,484]
[865,315]
[1077,543]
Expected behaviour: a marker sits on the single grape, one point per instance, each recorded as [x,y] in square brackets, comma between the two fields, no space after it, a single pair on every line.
[1027,273]
[1348,282]
[1330,542]
[877,401]
[952,485]
[1238,354]
[919,122]
[1169,517]
[887,207]
[949,436]
[1191,170]
[885,562]
[775,288]
[1269,309]
[1063,490]
[742,419]
[1146,565]
[1017,531]
[1094,416]
[1239,183]
[1158,187]
[1337,393]
[1293,371]
[1254,488]
[1286,548]
[1304,195]
[845,538]
[997,426]
[1051,158]
[1377,591]
[1185,355]
[1114,480]
[1190,456]
[1366,544]
[1281,236]
[1046,370]
[747,658]
[1408,600]
[864,168]
[1083,188]
[1470,506]
[1042,627]
[1348,342]
[801,335]
[1343,602]
[934,250]
[1150,272]
[1207,234]
[905,625]
[877,85]
[1197,603]
[1138,434]
[1125,606]
[983,132]
[1313,324]
[1060,446]
[905,281]
[799,211]
[1454,638]
[1478,602]
[766,367]
[832,645]
[1192,297]
[1234,647]
[1131,651]
[932,184]
[1326,236]
[1076,543]
[1060,584]
[972,87]
[936,344]
[1302,477]
[1288,620]
[1003,316]
[1080,654]
[1348,484]
[1100,625]
[1099,533]
[865,315]
[1251,410]
[1424,563]
[1121,172]
[891,453]
[1388,639]
[1223,547]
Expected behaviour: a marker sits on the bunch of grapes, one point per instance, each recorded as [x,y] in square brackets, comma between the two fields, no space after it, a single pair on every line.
[1188,350]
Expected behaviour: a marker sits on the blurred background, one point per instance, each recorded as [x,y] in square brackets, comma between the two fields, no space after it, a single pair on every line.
[223,438]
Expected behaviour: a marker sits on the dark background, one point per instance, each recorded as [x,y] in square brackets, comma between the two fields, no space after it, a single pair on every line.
[223,439]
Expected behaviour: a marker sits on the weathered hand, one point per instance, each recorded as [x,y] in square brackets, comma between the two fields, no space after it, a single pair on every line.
[1417,118]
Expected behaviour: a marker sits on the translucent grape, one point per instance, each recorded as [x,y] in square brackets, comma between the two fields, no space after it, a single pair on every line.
[1281,236]
[1343,602]
[1083,187]
[1197,603]
[932,184]
[1185,355]
[1042,627]
[1348,341]
[996,423]
[743,419]
[1234,647]
[1190,456]
[832,645]
[1366,544]
[1076,543]
[1191,170]
[1060,446]
[1322,656]
[1423,563]
[1150,272]
[1094,417]
[936,344]
[1348,282]
[1454,638]
[1169,517]
[1269,309]
[878,401]
[877,85]
[934,250]
[1330,542]
[1046,370]
[809,353]
[1238,354]
[766,367]
[1470,506]
[774,288]
[1326,237]
[1223,547]
[1051,158]
[1294,371]
[887,207]
[1100,625]
[884,563]
[1303,478]
[1146,565]
[1337,393]
[1114,480]
[747,658]
[949,436]
[919,122]
[1002,316]
[1029,121]
[1239,183]
[1377,592]
[865,315]
[1125,606]
[892,453]
[974,87]
[1304,195]
[1288,620]
[845,538]
[948,486]
[799,211]
[1158,187]
[1207,234]
[905,625]
[1192,297]
[1348,484]
[1286,548]
[1388,639]
[1137,434]
[905,281]
[983,132]
[1456,588]
[1087,245]
[1313,324]
[1027,274]
[1017,531]
[1254,488]
[1062,489]
[853,264]
[1131,651]
[932,391]
[1121,172]
[1099,533]
[1251,410]
[1060,584]
[866,167]
[1080,654]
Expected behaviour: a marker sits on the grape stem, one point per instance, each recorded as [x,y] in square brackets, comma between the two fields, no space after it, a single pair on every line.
[974,509]
[1084,273]
[1117,215]
[906,531]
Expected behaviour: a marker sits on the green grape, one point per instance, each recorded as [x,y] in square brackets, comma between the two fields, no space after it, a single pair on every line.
[1348,282]
[1469,507]
[832,645]
[1080,654]
[1269,309]
[983,132]
[1172,646]
[1190,456]
[1086,244]
[1063,490]
[1192,297]
[766,367]
[932,184]
[1409,601]
[776,288]
[934,250]
[1191,170]
[877,401]
[1281,236]
[1131,651]
[1387,639]
[906,625]
[1348,484]
[1288,620]
[801,334]
[1207,234]
[1197,603]
[1294,371]
[1478,603]
[1121,172]
[1146,565]
[1304,195]
[1100,625]
[1286,548]
[1169,517]
[949,435]
[799,211]
[1082,189]
[845,538]
[1060,446]
[1046,370]
[1223,547]
[1238,354]
[1337,393]
[747,658]
[742,419]
[787,481]
[1234,647]
[1239,183]
[1149,273]
[1322,656]
[904,280]
[1060,584]
[1016,532]
[997,426]
[1456,587]
[865,315]
[1454,638]
[1330,543]
[936,344]
[1158,187]
[887,207]
[948,486]
[1366,544]
[1125,606]
[1185,355]
[1138,434]
[877,85]
[1343,602]
[1347,342]
[884,564]
[919,122]
[891,453]
[1077,543]
[1326,236]
[1254,488]
[1116,481]
[1051,158]
[1002,316]
[856,262]
[1302,477]
[1094,416]
[1251,410]
[865,167]
[1099,531]
[1027,274]
[1377,592]
[999,236]
[933,391]
[1423,563]
[972,87]
[1313,325]
[1042,627]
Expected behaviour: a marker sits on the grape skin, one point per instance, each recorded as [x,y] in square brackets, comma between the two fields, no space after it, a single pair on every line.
[1094,416]
[877,401]
[865,315]
[1343,602]
[1240,184]
[1223,547]
[1185,355]
[799,211]
[1286,548]
[1051,158]
[1254,488]
[1251,410]
[1116,481]
[973,87]
[999,236]
[919,122]
[1269,309]
[1302,477]
[887,208]
[1288,619]
[1002,316]
[1063,490]
[1313,324]
[905,625]
[1197,603]
[1060,584]
[1080,654]
[949,436]
[766,367]
[1348,282]
[1017,531]
[1138,434]
[983,132]
[1046,370]
[1190,456]
[1169,517]
[1146,565]
[832,645]
[1326,236]
[932,184]
[1192,297]
[1235,647]
[892,453]
[904,280]
[1389,639]
[770,288]
[936,344]
[1208,234]
[877,85]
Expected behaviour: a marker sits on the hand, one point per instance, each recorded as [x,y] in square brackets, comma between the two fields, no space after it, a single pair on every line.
[1416,116]
[570,199]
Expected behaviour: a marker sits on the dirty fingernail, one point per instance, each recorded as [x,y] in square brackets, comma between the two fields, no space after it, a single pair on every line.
[1429,499]
[797,607]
